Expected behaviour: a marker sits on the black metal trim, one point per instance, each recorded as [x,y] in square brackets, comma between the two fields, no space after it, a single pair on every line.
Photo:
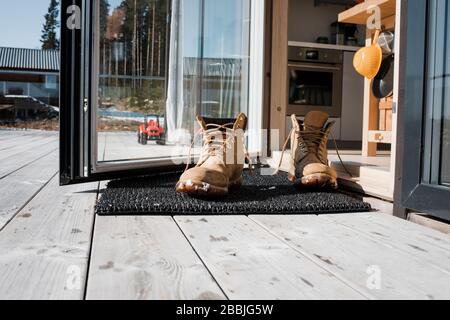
[123,174]
[398,209]
[414,193]
[70,96]
[75,125]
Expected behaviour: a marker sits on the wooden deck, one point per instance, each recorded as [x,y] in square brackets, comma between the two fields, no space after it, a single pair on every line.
[52,246]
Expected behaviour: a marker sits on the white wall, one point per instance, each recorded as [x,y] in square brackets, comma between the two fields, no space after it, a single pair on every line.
[307,22]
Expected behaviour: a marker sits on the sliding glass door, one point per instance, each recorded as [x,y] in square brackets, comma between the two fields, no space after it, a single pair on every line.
[209,62]
[426,154]
[129,79]
[137,72]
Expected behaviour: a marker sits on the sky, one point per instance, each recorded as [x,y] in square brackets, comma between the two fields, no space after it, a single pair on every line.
[21,22]
[21,25]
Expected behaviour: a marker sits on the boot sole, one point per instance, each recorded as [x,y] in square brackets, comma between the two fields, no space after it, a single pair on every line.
[319,180]
[205,189]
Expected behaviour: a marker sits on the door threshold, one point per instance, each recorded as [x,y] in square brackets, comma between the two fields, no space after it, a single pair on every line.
[369,175]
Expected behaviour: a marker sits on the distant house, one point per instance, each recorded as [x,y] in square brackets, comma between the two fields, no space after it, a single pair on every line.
[31,73]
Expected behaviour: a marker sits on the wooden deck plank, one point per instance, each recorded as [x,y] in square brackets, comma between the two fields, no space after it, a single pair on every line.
[13,162]
[360,258]
[250,263]
[44,249]
[406,229]
[24,146]
[405,237]
[8,134]
[16,142]
[18,188]
[146,258]
[17,145]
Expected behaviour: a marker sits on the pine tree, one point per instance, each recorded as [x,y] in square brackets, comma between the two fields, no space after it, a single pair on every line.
[49,38]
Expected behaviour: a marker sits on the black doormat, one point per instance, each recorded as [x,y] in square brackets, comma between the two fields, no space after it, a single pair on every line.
[155,195]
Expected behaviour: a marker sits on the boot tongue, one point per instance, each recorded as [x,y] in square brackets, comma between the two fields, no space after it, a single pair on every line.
[202,123]
[315,120]
[232,123]
[240,122]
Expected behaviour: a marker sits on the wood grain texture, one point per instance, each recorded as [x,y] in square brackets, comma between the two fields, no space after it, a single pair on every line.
[359,14]
[11,141]
[370,117]
[146,258]
[12,161]
[358,257]
[429,222]
[382,119]
[279,80]
[19,146]
[45,248]
[8,134]
[17,188]
[400,231]
[250,263]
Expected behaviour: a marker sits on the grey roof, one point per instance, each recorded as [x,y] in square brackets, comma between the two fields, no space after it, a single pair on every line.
[213,67]
[29,59]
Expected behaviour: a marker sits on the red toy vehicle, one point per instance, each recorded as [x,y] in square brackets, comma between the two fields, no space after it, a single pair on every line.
[152,130]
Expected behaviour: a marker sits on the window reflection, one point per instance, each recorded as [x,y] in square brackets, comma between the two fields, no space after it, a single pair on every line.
[154,72]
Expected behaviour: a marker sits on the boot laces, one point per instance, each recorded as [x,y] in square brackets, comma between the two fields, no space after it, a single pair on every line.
[216,147]
[311,141]
[216,141]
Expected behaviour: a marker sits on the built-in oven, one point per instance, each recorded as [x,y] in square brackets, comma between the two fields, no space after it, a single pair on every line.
[315,81]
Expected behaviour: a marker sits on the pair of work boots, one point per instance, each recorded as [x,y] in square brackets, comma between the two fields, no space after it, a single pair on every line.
[222,160]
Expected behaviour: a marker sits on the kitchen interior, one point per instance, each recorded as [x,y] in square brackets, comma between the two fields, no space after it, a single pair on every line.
[321,41]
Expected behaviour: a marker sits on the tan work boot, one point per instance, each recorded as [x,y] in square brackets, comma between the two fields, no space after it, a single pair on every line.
[222,160]
[309,154]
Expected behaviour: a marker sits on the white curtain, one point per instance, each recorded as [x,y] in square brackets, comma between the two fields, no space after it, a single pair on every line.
[237,69]
[256,77]
[175,101]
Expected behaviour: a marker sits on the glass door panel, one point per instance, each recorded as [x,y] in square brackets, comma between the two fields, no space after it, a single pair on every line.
[225,55]
[437,107]
[311,88]
[425,151]
[131,80]
[153,77]
[445,173]
[135,73]
[445,141]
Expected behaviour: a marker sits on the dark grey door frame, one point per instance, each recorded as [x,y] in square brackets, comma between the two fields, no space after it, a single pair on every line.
[76,121]
[77,163]
[414,191]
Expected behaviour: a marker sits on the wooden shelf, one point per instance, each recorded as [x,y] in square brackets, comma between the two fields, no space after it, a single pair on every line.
[358,14]
[378,136]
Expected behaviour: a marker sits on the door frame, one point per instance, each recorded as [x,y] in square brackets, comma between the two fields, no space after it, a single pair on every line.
[76,88]
[97,167]
[411,191]
[70,96]
[76,123]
